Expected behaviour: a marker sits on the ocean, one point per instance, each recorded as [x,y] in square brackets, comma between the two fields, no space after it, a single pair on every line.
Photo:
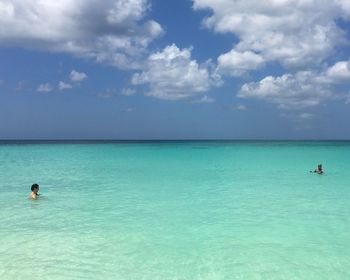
[175,210]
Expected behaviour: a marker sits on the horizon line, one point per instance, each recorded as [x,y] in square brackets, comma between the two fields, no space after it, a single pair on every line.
[168,140]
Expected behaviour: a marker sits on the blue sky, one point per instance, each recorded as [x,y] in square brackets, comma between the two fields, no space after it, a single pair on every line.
[186,69]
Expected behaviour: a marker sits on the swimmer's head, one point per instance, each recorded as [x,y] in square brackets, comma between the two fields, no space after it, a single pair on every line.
[35,188]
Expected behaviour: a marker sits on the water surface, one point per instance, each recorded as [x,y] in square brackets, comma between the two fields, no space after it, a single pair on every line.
[175,210]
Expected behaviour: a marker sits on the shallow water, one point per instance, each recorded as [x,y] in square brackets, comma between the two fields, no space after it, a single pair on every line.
[175,210]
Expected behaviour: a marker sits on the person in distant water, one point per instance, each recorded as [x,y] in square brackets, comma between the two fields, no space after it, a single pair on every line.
[35,190]
[319,169]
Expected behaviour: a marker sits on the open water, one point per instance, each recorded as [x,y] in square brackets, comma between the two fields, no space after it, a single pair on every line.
[175,210]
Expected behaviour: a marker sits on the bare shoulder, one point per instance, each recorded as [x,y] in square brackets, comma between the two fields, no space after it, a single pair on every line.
[32,196]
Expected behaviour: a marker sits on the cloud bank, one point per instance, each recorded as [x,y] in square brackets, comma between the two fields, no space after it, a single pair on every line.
[301,89]
[109,31]
[293,32]
[300,35]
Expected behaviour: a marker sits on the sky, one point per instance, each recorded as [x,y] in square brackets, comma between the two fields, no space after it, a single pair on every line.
[184,69]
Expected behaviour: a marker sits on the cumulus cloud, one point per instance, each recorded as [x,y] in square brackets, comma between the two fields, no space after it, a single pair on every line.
[172,74]
[47,87]
[237,63]
[339,72]
[288,90]
[295,33]
[76,76]
[110,31]
[302,89]
[345,4]
[64,86]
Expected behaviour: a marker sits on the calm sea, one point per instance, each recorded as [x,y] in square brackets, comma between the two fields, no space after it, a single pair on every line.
[175,210]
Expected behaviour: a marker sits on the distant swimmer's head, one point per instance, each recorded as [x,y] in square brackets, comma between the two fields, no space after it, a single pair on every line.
[35,188]
[319,166]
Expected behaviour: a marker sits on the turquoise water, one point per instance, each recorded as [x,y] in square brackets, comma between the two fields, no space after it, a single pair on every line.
[175,210]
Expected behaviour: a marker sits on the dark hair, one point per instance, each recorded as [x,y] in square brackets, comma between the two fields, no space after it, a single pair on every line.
[34,186]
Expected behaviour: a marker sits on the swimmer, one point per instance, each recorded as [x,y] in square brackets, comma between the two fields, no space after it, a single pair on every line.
[319,169]
[35,190]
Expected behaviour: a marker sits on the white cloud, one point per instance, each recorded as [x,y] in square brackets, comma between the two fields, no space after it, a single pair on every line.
[236,63]
[47,87]
[110,31]
[128,91]
[63,86]
[171,74]
[339,72]
[76,76]
[288,91]
[345,4]
[302,89]
[292,32]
